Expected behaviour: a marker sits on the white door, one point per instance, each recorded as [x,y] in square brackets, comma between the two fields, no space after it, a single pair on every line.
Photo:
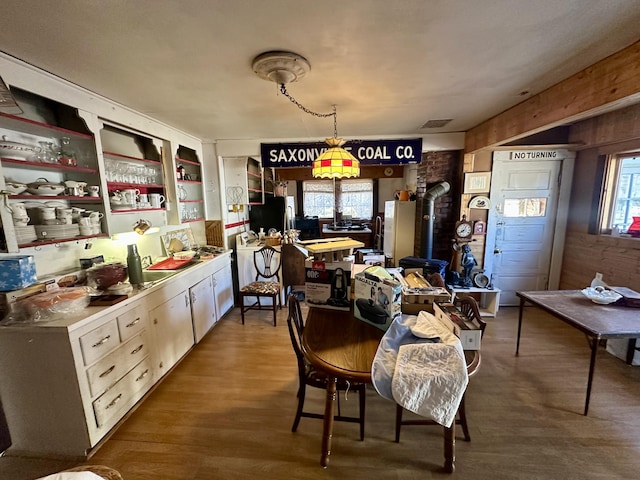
[522,231]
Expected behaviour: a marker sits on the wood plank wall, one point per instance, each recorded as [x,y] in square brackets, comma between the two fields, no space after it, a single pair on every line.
[617,258]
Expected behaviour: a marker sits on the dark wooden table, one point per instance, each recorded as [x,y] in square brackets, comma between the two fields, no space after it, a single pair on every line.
[595,321]
[341,346]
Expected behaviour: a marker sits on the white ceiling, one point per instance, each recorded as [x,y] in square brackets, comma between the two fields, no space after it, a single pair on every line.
[389,66]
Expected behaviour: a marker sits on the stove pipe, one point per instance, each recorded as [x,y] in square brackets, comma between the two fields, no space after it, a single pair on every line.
[429,199]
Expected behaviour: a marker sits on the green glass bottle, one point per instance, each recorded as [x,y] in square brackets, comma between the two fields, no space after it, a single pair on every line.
[134,265]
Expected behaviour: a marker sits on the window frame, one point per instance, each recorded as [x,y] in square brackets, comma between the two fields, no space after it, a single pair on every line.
[610,192]
[338,193]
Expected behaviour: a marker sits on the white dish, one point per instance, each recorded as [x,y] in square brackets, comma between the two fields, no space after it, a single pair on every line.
[601,295]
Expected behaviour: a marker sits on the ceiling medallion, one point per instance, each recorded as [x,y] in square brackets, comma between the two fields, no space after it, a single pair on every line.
[280,67]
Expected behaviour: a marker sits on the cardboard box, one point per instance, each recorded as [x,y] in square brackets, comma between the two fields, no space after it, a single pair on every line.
[328,284]
[16,272]
[468,332]
[376,300]
[416,300]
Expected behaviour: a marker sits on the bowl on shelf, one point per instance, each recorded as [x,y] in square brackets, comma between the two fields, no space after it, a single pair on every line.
[42,186]
[15,188]
[17,150]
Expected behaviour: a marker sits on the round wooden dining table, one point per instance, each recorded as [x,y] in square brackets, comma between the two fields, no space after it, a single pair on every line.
[343,347]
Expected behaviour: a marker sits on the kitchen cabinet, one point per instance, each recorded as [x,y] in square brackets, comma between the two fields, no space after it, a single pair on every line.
[223,287]
[66,383]
[190,193]
[173,330]
[243,181]
[134,173]
[63,389]
[203,308]
[44,128]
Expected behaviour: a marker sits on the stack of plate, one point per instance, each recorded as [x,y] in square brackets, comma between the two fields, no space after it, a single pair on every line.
[26,234]
[47,232]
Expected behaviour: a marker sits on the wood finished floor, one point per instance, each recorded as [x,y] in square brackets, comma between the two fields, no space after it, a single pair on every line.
[226,411]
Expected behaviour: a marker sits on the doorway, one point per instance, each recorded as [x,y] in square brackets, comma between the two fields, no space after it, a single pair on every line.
[527,220]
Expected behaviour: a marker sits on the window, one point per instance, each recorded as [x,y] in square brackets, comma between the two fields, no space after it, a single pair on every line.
[525,207]
[353,198]
[623,192]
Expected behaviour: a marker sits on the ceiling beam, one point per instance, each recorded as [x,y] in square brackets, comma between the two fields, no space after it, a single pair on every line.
[607,85]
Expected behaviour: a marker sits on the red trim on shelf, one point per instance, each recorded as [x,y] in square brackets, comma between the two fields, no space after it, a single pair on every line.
[191,220]
[52,166]
[133,185]
[56,197]
[60,240]
[254,174]
[191,201]
[136,210]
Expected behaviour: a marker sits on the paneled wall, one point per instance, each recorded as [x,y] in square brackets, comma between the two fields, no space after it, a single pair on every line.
[585,254]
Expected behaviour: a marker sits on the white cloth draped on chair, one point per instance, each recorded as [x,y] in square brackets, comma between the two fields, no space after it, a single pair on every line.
[420,365]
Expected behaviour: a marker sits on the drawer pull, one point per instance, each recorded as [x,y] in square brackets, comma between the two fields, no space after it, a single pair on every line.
[142,375]
[107,372]
[114,401]
[137,320]
[101,342]
[137,349]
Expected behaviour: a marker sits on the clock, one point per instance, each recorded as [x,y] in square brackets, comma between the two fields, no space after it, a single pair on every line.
[388,172]
[464,229]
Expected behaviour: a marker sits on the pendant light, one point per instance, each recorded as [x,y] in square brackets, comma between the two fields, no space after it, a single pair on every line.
[285,67]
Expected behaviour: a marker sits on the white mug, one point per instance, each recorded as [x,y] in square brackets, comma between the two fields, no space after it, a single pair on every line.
[65,219]
[143,198]
[131,196]
[63,211]
[95,217]
[84,221]
[47,213]
[156,200]
[94,190]
[18,209]
[21,221]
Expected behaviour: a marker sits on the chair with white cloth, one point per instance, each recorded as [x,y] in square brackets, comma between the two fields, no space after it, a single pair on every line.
[420,364]
[469,308]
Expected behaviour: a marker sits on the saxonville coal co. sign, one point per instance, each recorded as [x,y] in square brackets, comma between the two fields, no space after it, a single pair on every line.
[369,152]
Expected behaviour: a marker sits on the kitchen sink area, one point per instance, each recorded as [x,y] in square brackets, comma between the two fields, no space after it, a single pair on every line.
[152,276]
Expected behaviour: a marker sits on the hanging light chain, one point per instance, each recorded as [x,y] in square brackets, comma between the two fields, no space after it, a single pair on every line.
[334,114]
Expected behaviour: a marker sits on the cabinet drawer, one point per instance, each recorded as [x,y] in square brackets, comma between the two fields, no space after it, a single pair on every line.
[111,368]
[131,322]
[122,395]
[100,341]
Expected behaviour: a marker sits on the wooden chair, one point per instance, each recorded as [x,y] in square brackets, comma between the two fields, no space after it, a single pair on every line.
[469,307]
[307,376]
[263,259]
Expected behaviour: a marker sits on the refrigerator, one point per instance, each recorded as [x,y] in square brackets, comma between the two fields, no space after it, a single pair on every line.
[399,229]
[275,212]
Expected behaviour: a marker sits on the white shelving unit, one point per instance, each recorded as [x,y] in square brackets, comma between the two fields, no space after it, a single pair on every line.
[489,299]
